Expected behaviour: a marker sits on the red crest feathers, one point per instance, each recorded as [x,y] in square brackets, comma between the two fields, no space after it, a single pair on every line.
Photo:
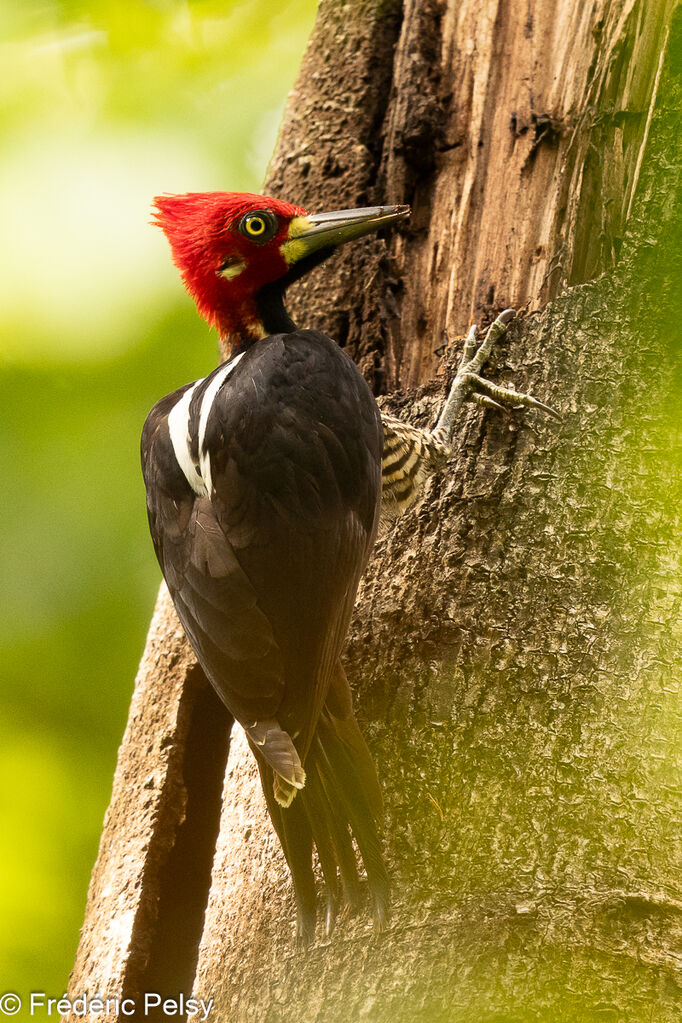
[202,229]
[196,221]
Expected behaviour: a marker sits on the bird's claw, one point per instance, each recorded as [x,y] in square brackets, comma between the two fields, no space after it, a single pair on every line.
[485,402]
[491,395]
[469,384]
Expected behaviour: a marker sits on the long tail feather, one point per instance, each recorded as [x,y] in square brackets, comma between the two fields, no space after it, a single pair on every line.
[330,828]
[340,801]
[356,795]
[295,835]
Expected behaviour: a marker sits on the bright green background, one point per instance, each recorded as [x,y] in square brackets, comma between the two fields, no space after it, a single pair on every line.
[104,105]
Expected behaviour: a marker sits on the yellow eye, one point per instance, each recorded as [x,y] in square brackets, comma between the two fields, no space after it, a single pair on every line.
[259,226]
[255,226]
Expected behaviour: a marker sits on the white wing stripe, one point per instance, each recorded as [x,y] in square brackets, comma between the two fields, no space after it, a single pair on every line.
[199,478]
[178,427]
[206,406]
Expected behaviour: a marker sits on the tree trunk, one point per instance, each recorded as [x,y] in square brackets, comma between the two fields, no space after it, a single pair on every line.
[515,649]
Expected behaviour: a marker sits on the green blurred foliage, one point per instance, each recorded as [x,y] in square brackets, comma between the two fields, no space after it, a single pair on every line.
[102,106]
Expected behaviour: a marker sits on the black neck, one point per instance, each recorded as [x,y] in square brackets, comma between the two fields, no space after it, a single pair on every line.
[270,298]
[271,309]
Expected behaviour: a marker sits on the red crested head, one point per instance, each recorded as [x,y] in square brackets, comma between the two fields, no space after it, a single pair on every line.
[227,246]
[230,246]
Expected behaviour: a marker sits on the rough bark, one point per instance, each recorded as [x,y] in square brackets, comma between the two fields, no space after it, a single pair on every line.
[515,647]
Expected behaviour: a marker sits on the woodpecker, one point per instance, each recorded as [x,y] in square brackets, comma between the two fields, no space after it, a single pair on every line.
[263,494]
[265,483]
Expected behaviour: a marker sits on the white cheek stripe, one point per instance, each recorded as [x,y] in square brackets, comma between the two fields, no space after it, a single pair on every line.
[199,478]
[178,427]
[206,406]
[230,272]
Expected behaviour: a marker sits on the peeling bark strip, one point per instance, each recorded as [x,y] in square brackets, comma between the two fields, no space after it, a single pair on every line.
[516,645]
[514,130]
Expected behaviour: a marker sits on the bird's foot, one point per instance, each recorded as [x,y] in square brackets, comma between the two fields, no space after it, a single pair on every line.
[469,385]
